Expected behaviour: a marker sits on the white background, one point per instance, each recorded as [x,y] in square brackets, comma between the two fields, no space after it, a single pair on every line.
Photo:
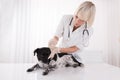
[29,24]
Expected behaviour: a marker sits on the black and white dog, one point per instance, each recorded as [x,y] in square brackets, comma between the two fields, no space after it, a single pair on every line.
[48,65]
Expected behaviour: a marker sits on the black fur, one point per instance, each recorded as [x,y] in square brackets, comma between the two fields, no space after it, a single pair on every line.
[43,54]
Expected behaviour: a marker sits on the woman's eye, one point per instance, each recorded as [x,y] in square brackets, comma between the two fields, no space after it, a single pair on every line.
[76,16]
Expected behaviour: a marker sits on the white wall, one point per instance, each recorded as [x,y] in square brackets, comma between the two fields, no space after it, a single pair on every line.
[6,17]
[28,24]
[114,32]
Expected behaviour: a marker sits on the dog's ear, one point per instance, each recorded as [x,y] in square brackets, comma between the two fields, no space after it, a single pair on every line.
[35,51]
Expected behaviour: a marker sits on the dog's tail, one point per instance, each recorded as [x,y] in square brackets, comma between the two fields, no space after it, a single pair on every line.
[35,51]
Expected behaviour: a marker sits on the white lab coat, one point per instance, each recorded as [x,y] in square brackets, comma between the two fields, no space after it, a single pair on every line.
[75,38]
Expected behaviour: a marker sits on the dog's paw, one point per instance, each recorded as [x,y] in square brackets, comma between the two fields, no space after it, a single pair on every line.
[30,70]
[75,65]
[81,65]
[45,73]
[67,65]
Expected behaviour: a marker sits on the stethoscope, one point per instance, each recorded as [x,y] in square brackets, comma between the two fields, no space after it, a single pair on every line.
[83,33]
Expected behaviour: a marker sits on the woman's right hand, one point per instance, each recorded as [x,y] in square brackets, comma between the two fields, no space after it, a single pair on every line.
[53,52]
[53,42]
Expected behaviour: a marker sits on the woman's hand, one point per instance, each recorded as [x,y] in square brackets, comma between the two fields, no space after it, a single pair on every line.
[53,52]
[53,42]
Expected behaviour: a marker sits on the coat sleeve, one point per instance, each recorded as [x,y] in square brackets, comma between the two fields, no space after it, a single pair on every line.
[60,28]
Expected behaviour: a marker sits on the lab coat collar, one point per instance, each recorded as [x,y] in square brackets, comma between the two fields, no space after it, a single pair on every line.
[78,29]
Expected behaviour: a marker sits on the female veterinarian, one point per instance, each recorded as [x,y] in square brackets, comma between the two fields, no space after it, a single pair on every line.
[75,31]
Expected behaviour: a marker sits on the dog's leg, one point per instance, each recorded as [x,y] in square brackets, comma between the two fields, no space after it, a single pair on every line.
[67,65]
[46,72]
[33,68]
[72,62]
[49,68]
[75,65]
[78,63]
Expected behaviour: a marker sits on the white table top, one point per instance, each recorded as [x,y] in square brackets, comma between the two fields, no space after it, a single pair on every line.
[99,71]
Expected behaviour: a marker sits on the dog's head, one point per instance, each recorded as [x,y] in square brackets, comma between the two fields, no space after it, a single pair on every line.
[42,54]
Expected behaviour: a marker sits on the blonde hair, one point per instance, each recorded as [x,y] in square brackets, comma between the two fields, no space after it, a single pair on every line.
[86,11]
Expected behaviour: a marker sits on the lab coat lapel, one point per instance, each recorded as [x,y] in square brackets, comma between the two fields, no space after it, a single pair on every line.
[77,31]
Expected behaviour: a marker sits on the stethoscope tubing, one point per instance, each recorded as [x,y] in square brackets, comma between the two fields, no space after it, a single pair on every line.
[85,30]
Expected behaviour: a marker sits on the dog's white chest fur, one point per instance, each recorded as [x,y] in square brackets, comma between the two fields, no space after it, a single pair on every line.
[43,65]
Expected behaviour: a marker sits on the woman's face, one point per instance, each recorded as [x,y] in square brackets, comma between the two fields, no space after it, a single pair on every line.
[77,21]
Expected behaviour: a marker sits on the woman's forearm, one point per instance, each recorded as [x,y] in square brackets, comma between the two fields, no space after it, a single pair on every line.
[55,37]
[69,50]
